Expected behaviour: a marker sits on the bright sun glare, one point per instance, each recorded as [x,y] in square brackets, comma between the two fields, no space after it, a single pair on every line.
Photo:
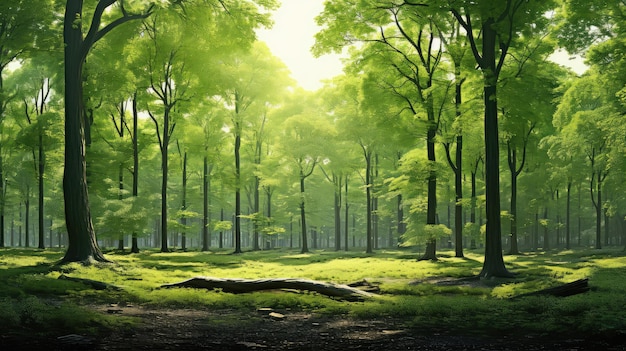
[291,39]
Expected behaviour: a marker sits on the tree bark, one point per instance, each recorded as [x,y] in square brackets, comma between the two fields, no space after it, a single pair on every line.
[82,245]
[494,263]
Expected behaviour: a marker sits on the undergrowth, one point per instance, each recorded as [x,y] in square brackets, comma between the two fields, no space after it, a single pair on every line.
[33,298]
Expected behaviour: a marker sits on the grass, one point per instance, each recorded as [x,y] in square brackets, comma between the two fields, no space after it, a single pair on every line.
[33,298]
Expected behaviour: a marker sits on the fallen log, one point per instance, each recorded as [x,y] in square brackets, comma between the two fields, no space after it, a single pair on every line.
[576,287]
[239,286]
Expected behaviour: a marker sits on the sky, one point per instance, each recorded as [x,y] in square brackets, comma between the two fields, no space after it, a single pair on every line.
[292,37]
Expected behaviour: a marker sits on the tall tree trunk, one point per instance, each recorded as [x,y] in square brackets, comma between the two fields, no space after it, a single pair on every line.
[346,217]
[237,194]
[183,220]
[135,244]
[431,210]
[368,196]
[473,206]
[40,178]
[257,211]
[546,236]
[205,202]
[120,179]
[337,209]
[305,247]
[513,169]
[164,173]
[82,245]
[494,263]
[568,215]
[27,217]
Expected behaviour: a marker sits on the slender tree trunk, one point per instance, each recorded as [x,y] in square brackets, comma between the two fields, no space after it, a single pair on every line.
[135,244]
[431,210]
[164,174]
[337,209]
[513,169]
[205,202]
[568,215]
[346,217]
[597,203]
[27,217]
[221,238]
[257,210]
[183,244]
[41,169]
[120,180]
[546,237]
[368,196]
[82,245]
[473,207]
[237,194]
[305,247]
[558,222]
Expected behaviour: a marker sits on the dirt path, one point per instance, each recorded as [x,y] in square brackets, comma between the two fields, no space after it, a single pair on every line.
[185,329]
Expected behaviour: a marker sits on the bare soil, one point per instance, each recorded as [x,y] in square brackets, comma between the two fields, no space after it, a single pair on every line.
[186,329]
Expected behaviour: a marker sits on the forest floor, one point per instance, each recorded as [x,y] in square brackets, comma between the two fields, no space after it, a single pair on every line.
[186,329]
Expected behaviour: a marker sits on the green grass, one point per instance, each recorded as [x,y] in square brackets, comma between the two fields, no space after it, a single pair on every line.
[33,298]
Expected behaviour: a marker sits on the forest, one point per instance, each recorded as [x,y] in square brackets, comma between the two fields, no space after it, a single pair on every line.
[135,126]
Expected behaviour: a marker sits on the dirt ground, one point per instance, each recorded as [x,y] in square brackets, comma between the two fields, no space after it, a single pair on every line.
[184,329]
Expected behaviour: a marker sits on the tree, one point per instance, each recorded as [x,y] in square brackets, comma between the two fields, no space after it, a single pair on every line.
[255,79]
[498,25]
[526,117]
[410,44]
[82,245]
[24,30]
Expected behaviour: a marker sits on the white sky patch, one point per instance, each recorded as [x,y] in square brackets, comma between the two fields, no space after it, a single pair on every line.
[575,63]
[291,39]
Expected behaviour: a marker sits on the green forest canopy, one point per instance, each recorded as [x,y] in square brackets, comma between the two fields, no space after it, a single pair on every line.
[448,116]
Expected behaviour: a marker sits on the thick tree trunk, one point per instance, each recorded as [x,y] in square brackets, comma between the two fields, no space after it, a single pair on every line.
[494,263]
[82,245]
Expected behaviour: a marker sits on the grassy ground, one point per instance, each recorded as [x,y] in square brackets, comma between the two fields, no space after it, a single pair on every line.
[33,299]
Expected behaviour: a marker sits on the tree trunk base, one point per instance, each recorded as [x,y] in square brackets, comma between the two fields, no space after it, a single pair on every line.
[431,252]
[239,286]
